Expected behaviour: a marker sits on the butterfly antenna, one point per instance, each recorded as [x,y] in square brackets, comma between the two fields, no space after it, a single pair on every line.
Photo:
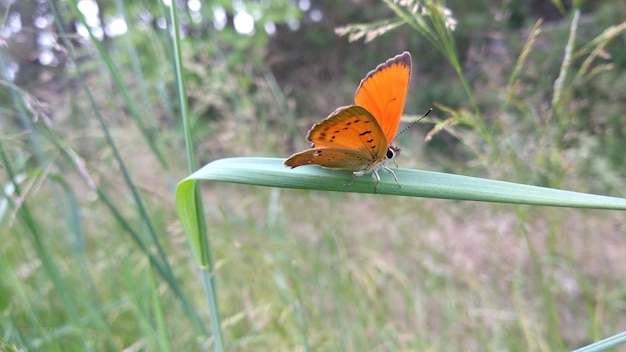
[413,123]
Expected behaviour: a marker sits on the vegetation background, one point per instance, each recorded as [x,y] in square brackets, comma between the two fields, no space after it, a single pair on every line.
[93,256]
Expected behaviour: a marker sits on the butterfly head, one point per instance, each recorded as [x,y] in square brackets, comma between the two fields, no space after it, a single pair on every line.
[392,152]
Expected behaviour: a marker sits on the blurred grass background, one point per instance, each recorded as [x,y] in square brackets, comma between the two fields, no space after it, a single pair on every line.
[92,254]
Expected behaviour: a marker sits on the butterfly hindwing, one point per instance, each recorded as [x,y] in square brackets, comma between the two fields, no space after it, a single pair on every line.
[383,92]
[331,158]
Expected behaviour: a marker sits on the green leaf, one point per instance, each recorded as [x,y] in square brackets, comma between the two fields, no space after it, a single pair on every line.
[415,183]
[604,344]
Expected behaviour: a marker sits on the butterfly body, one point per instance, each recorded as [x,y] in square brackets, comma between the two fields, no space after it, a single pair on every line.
[358,137]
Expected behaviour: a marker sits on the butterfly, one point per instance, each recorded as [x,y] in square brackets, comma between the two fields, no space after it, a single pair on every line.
[359,137]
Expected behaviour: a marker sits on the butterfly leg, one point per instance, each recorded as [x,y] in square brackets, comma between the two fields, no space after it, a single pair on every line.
[349,183]
[386,168]
[375,173]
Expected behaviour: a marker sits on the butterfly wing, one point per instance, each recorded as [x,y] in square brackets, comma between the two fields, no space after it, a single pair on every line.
[350,138]
[349,127]
[383,92]
[331,158]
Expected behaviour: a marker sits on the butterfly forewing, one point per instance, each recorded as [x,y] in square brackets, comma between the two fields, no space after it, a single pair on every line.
[383,92]
[351,127]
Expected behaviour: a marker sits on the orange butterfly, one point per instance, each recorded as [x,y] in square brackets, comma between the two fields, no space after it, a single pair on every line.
[358,137]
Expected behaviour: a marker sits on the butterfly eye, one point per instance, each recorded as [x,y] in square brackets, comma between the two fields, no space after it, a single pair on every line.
[392,153]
